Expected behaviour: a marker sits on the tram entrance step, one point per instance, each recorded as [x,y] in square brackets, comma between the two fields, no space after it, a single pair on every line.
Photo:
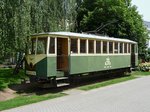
[61,78]
[62,84]
[62,81]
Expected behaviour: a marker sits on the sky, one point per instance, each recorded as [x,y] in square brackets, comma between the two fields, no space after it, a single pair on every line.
[143,6]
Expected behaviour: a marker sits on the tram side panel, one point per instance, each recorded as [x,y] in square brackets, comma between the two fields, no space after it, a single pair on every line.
[84,64]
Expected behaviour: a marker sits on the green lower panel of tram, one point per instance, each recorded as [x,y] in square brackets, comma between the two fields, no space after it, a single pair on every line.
[47,67]
[83,64]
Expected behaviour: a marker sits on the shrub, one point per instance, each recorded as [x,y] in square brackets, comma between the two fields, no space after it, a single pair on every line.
[144,66]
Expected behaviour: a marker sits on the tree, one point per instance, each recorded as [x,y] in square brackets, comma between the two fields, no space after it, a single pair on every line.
[21,18]
[115,18]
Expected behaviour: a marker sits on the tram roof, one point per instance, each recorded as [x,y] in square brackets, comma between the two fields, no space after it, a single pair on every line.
[84,35]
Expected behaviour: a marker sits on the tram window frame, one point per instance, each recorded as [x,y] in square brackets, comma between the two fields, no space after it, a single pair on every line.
[125,48]
[136,48]
[121,47]
[98,47]
[111,47]
[52,48]
[90,46]
[116,48]
[33,46]
[105,47]
[83,47]
[74,46]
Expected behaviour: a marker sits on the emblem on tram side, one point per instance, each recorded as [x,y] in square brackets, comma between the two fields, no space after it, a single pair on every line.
[107,63]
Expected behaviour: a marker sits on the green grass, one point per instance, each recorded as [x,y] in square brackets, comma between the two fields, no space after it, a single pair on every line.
[7,78]
[114,81]
[24,100]
[106,83]
[140,73]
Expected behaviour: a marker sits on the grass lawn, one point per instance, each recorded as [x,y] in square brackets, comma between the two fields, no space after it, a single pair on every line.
[140,73]
[24,100]
[114,81]
[7,78]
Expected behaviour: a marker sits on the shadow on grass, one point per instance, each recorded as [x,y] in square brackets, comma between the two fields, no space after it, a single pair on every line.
[7,79]
[32,88]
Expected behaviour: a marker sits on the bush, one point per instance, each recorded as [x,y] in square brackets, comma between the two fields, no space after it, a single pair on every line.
[144,66]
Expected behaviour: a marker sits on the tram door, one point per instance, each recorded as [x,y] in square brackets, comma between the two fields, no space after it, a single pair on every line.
[133,55]
[62,54]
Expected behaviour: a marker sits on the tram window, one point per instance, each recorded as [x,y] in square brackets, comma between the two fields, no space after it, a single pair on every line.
[125,47]
[104,47]
[116,47]
[41,45]
[110,47]
[82,46]
[132,48]
[121,47]
[74,45]
[98,46]
[129,48]
[91,46]
[33,45]
[52,45]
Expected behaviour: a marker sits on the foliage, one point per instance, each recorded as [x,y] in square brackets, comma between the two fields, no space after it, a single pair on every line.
[20,18]
[7,78]
[114,18]
[144,66]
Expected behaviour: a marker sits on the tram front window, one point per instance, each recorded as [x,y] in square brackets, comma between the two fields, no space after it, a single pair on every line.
[41,45]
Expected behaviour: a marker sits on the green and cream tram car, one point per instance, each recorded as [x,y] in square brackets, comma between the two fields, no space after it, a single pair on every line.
[60,55]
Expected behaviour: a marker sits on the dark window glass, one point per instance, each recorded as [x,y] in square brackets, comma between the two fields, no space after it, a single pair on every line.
[116,47]
[74,45]
[91,46]
[125,47]
[98,46]
[52,45]
[133,48]
[104,47]
[82,46]
[110,47]
[121,47]
[129,47]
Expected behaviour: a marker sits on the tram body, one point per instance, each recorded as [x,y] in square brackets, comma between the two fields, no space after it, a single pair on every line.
[65,54]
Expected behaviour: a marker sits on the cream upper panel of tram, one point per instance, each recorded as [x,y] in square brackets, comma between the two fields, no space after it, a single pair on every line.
[83,35]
